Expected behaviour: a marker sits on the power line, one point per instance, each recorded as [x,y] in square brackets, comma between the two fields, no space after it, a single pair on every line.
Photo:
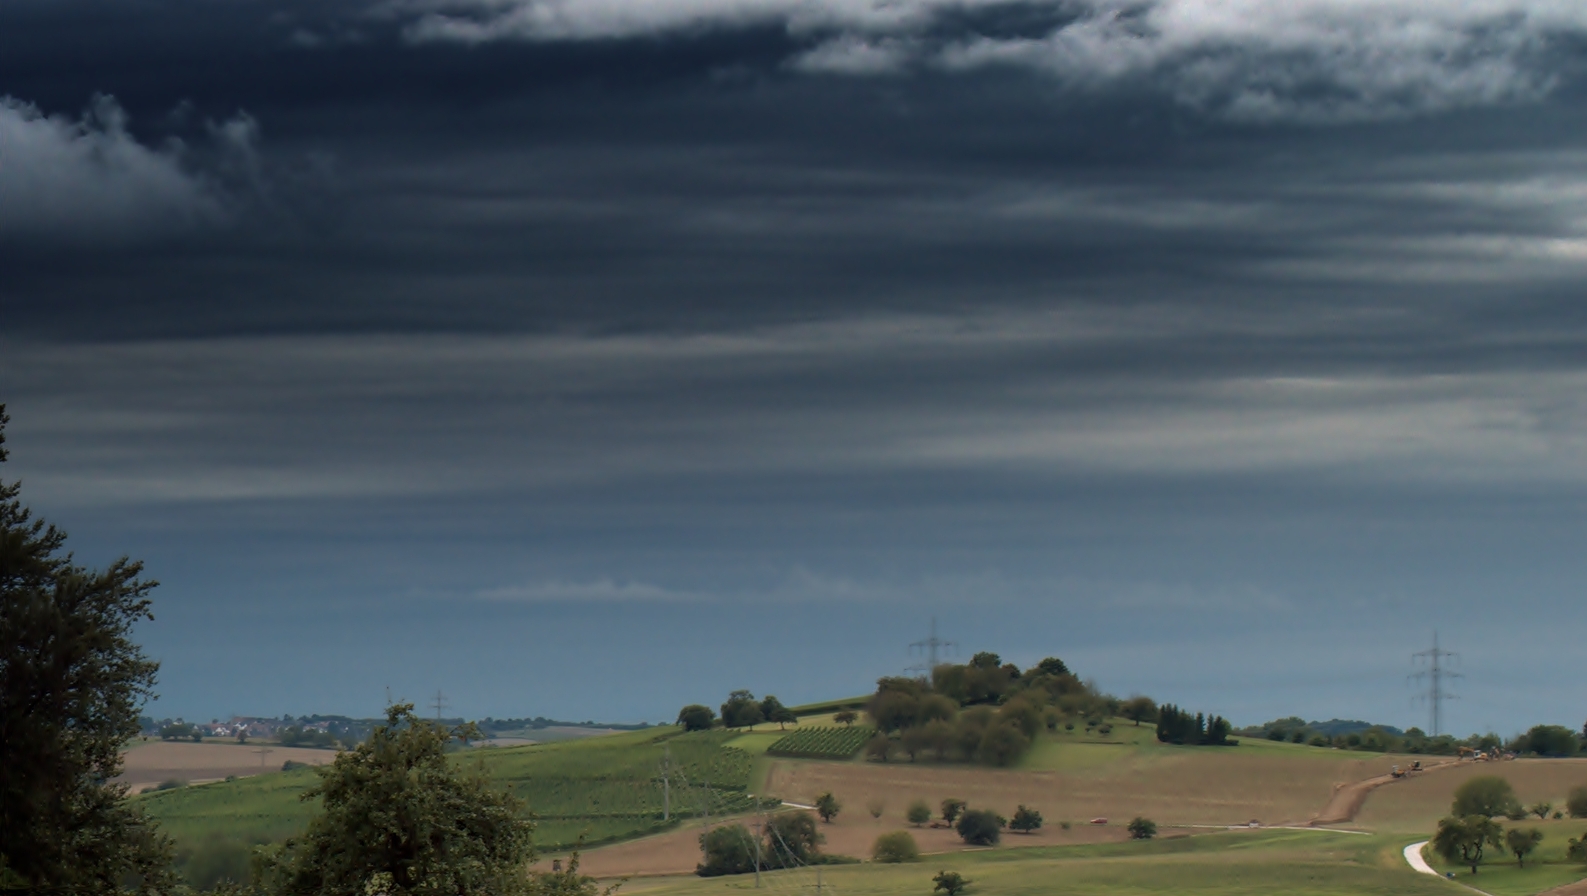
[1434,674]
[440,702]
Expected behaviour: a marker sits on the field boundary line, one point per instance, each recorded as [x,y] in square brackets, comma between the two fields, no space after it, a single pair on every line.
[1413,857]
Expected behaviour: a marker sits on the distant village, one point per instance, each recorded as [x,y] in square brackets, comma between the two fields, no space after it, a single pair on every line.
[333,731]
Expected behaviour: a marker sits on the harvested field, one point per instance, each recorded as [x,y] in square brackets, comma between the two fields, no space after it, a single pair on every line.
[1417,803]
[677,852]
[149,764]
[1172,786]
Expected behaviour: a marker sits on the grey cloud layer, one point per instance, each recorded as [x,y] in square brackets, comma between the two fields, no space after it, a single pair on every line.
[1317,60]
[90,177]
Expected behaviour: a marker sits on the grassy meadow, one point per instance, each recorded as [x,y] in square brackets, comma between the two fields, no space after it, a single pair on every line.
[1257,863]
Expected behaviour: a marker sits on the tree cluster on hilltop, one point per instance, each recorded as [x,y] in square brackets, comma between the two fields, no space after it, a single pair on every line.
[1176,726]
[985,711]
[1539,740]
[741,710]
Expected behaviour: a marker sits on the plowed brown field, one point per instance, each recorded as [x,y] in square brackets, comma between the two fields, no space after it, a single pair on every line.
[150,764]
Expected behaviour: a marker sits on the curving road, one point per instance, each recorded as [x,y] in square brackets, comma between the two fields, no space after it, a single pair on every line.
[1413,856]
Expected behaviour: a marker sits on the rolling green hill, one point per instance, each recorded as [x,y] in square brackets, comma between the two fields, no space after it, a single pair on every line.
[606,788]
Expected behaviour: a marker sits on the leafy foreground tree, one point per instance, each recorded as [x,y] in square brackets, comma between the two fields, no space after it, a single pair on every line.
[1521,843]
[1486,795]
[1464,839]
[400,819]
[71,684]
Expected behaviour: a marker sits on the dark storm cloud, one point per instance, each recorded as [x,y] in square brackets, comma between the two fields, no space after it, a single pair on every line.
[1214,324]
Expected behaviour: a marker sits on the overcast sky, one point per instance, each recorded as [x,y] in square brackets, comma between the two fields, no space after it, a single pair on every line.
[585,358]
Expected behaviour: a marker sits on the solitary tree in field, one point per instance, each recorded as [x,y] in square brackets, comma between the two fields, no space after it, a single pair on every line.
[846,717]
[1463,840]
[1141,828]
[828,807]
[1521,843]
[400,818]
[1486,795]
[772,710]
[71,683]
[918,814]
[1541,810]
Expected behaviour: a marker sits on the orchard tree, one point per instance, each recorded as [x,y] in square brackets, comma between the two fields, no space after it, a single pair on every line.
[918,814]
[949,883]
[846,717]
[398,818]
[951,808]
[828,807]
[1464,839]
[1025,820]
[71,684]
[1521,843]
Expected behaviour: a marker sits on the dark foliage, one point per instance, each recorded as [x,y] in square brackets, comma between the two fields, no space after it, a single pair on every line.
[71,684]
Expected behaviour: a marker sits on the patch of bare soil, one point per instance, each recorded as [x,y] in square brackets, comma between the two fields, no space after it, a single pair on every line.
[1578,888]
[149,764]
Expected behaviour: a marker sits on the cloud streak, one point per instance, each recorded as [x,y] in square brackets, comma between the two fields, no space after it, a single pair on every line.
[1263,60]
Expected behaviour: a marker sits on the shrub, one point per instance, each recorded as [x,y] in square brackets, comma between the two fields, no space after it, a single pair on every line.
[1065,825]
[292,765]
[950,883]
[1105,729]
[878,747]
[918,813]
[1486,795]
[1142,828]
[171,784]
[729,849]
[896,847]
[1541,810]
[1576,851]
[1576,803]
[981,827]
[1025,820]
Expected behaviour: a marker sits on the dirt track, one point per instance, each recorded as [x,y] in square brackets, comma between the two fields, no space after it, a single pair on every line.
[1348,798]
